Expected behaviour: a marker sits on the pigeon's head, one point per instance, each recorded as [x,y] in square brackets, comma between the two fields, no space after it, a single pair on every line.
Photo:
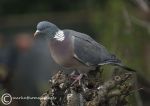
[45,28]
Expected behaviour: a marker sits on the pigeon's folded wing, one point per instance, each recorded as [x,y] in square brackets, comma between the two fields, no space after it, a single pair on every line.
[88,51]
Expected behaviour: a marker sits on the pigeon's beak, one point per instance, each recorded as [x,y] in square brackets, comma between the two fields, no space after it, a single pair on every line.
[36,33]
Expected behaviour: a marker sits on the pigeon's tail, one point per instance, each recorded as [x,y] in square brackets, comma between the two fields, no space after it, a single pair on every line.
[117,62]
[124,67]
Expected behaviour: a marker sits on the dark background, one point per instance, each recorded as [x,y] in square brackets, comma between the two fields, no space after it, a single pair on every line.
[122,26]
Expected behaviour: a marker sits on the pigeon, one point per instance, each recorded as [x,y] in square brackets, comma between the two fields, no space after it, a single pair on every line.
[75,50]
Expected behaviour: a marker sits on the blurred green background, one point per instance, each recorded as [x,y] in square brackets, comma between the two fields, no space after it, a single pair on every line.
[122,26]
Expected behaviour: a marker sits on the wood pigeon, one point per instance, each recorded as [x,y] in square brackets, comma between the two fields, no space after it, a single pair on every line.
[76,50]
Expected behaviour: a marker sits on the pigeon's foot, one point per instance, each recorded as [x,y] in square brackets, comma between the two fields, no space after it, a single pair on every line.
[77,78]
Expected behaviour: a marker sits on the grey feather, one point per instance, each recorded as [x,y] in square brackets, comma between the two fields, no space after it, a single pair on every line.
[88,51]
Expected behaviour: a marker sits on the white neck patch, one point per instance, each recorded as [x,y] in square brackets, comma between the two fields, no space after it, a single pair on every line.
[59,35]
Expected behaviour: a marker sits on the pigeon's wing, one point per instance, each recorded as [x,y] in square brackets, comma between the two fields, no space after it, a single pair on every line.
[88,51]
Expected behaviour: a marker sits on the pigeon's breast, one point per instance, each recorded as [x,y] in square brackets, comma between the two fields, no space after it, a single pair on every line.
[62,51]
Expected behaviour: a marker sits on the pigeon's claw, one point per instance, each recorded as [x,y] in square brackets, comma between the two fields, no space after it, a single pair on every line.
[77,79]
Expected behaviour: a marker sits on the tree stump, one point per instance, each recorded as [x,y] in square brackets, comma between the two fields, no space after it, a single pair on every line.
[92,91]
